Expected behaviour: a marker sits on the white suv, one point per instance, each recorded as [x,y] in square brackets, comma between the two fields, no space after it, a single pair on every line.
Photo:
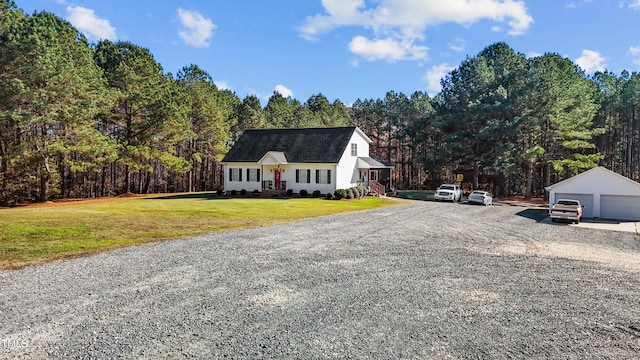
[450,192]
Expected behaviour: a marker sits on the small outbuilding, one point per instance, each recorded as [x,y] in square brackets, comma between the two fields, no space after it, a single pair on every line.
[603,193]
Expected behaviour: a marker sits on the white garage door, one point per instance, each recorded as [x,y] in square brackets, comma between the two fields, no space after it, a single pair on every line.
[586,200]
[620,207]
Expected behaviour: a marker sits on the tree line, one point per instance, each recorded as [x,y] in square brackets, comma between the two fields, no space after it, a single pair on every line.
[530,122]
[84,120]
[80,120]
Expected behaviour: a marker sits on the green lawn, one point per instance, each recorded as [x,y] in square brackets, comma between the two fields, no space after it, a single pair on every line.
[37,234]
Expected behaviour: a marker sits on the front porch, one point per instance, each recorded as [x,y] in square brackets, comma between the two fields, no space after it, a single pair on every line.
[273,185]
[375,188]
[371,169]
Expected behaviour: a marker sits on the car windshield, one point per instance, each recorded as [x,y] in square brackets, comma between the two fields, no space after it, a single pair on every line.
[446,187]
[479,193]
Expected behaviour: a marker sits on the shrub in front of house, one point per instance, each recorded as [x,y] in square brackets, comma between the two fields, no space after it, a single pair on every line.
[256,192]
[303,193]
[343,193]
[329,196]
[336,195]
[316,194]
[234,192]
[243,192]
[349,194]
[289,192]
[340,194]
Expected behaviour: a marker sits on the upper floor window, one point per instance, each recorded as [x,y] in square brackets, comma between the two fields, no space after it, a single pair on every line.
[354,149]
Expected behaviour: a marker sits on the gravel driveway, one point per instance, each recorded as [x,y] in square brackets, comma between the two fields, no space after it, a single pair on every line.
[425,280]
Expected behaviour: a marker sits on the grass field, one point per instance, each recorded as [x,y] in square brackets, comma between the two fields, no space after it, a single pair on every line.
[415,194]
[38,234]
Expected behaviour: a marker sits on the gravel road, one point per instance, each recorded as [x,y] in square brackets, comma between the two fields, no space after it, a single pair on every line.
[422,281]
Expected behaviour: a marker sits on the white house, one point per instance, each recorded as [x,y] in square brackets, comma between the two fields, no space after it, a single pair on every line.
[323,159]
[604,194]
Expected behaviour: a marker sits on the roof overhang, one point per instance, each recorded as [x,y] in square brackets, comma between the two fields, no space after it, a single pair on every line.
[369,163]
[273,158]
[363,135]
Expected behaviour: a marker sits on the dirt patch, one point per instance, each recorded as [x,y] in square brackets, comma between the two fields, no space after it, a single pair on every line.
[521,200]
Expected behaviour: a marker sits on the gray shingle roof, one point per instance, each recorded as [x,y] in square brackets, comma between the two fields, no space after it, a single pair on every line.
[312,145]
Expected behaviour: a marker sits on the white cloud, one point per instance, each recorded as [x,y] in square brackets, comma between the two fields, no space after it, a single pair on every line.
[284,91]
[532,54]
[196,30]
[634,4]
[387,49]
[400,24]
[634,51]
[434,75]
[88,23]
[222,85]
[458,45]
[591,61]
[339,13]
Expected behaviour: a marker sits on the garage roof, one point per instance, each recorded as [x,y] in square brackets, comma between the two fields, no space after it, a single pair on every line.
[597,171]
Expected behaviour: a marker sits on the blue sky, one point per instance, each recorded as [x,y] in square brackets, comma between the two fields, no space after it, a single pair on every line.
[354,49]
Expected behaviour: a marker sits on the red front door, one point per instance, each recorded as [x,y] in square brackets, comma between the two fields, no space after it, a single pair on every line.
[276,175]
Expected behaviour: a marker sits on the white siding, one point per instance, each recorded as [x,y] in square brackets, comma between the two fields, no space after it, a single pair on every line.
[249,186]
[288,174]
[347,174]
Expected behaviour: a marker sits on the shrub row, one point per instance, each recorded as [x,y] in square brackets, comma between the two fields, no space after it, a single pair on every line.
[355,192]
[314,194]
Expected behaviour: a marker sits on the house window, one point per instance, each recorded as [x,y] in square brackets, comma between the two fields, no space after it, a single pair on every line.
[253,175]
[235,174]
[354,149]
[323,176]
[303,176]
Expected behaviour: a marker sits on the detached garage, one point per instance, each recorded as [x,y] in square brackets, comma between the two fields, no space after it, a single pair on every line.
[604,194]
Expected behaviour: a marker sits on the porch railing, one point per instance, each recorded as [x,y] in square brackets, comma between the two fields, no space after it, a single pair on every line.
[268,185]
[377,188]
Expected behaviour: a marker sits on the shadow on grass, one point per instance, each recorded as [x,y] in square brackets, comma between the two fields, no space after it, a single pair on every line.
[415,194]
[534,214]
[215,196]
[197,196]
